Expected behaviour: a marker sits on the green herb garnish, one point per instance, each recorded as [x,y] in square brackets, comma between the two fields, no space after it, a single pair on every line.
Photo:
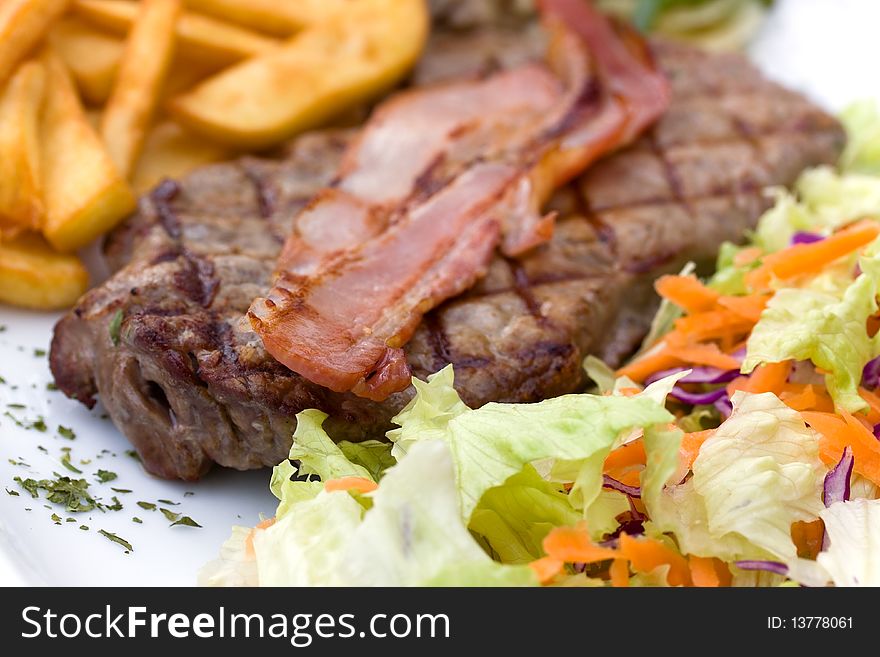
[39,353]
[115,325]
[187,522]
[137,520]
[116,506]
[120,490]
[105,475]
[85,528]
[149,506]
[172,517]
[116,539]
[71,493]
[65,461]
[51,387]
[66,432]
[14,493]
[168,502]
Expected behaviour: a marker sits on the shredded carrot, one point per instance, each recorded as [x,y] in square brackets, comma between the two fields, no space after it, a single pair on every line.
[713,324]
[769,377]
[840,431]
[705,571]
[737,384]
[748,307]
[619,573]
[808,258]
[633,453]
[654,361]
[546,568]
[629,392]
[808,537]
[691,444]
[573,545]
[646,554]
[873,405]
[358,484]
[799,397]
[747,256]
[704,354]
[249,541]
[686,292]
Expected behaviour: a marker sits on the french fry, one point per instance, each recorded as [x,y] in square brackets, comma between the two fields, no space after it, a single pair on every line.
[171,151]
[142,72]
[279,17]
[21,203]
[22,24]
[199,37]
[319,73]
[32,275]
[84,193]
[92,56]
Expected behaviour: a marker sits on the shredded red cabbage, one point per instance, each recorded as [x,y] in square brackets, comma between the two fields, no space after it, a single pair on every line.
[877,431]
[697,375]
[770,566]
[871,373]
[724,406]
[837,481]
[698,397]
[803,237]
[614,484]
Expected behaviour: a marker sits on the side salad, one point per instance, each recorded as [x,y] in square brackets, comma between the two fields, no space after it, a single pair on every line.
[738,447]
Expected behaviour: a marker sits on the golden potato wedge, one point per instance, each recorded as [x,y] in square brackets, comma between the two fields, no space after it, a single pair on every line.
[91,55]
[21,201]
[199,37]
[171,151]
[84,193]
[320,72]
[32,275]
[141,77]
[22,24]
[280,17]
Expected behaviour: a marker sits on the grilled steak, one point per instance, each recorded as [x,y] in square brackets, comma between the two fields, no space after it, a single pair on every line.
[166,345]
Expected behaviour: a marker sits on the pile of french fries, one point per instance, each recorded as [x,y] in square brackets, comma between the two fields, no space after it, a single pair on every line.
[101,99]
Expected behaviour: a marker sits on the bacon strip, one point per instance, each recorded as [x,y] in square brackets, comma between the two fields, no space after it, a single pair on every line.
[438,179]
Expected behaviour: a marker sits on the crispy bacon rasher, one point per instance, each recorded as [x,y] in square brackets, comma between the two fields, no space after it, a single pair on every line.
[439,178]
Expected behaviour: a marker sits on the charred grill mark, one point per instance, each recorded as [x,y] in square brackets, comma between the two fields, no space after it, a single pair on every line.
[523,289]
[442,350]
[196,279]
[161,197]
[672,177]
[604,232]
[752,139]
[266,194]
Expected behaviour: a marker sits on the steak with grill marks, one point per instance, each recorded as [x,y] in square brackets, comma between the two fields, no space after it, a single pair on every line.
[188,381]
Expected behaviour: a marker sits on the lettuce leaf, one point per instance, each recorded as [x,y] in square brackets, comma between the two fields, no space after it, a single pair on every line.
[414,535]
[316,451]
[513,519]
[830,331]
[853,554]
[495,442]
[306,547]
[752,479]
[835,199]
[862,123]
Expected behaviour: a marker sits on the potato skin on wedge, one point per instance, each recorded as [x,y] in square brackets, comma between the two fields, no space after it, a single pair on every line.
[318,74]
[32,275]
[84,193]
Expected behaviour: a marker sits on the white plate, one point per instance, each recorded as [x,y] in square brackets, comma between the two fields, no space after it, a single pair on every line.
[822,47]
